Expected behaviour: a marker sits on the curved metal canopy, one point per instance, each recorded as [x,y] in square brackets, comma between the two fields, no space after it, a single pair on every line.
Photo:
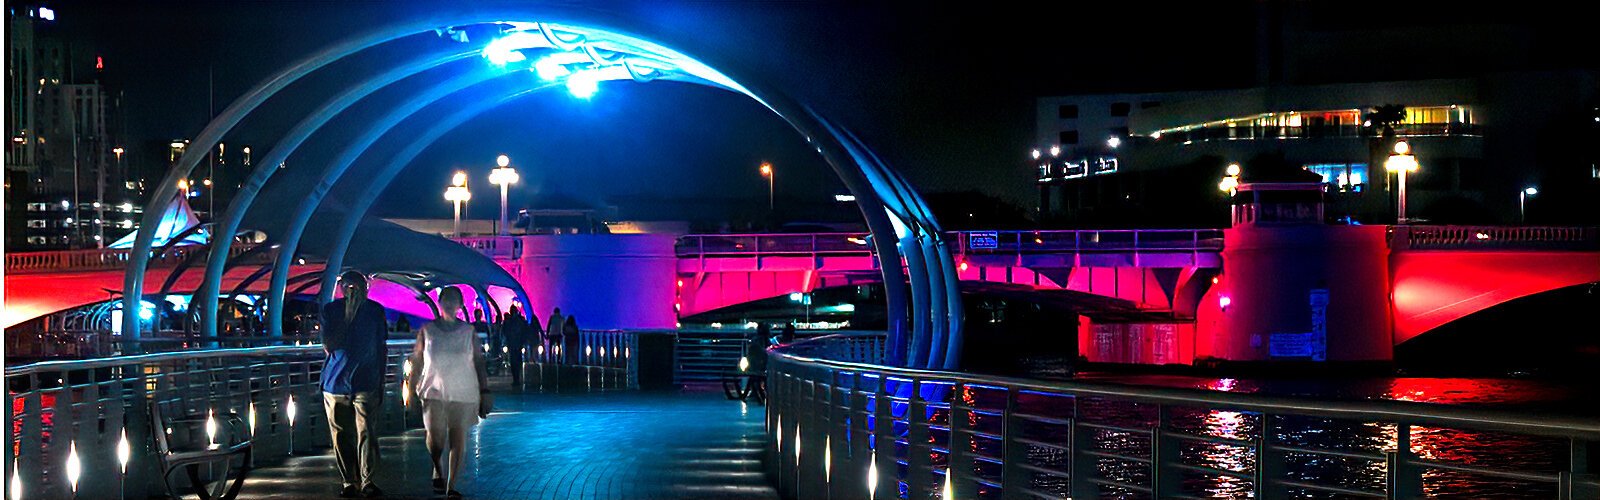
[568,49]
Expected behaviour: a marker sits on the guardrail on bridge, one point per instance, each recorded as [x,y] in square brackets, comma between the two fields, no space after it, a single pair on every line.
[1025,242]
[844,429]
[101,259]
[1494,237]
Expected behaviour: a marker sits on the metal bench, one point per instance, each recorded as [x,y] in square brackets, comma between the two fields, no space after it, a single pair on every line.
[233,442]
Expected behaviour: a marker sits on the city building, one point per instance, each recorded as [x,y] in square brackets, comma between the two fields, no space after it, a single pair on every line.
[65,169]
[1488,109]
[1479,142]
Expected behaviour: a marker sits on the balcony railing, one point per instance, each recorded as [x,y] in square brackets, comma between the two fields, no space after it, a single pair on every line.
[858,430]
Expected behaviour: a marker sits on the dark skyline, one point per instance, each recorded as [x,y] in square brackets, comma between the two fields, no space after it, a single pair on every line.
[945,94]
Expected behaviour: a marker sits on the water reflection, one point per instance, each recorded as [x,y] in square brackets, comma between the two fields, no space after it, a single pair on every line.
[1463,447]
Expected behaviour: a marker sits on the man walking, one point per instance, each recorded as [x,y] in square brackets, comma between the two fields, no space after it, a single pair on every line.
[354,336]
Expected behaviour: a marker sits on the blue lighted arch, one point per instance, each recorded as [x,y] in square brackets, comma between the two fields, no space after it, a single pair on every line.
[898,218]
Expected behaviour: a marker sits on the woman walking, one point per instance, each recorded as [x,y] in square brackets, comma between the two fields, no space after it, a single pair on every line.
[454,386]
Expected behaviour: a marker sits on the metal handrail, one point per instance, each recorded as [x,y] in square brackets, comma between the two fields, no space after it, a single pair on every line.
[1021,241]
[1388,411]
[820,402]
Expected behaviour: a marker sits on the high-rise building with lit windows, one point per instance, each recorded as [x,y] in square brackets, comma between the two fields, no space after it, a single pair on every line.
[62,140]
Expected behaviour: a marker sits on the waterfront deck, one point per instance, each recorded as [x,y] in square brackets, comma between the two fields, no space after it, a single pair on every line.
[587,446]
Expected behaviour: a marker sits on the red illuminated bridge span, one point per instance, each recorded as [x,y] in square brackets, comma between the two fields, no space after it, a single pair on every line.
[1402,281]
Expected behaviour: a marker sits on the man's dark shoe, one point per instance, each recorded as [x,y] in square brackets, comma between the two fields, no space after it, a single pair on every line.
[372,491]
[438,486]
[453,495]
[350,492]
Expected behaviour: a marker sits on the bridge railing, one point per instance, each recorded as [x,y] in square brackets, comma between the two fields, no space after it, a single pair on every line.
[772,244]
[83,344]
[506,247]
[100,259]
[86,405]
[1054,241]
[1091,240]
[859,430]
[1494,237]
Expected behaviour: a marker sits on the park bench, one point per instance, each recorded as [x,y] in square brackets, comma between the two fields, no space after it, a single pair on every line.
[233,442]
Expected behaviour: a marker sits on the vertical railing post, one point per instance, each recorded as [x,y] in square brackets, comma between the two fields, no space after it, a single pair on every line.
[1164,480]
[1271,462]
[1578,481]
[1083,464]
[960,459]
[32,469]
[851,473]
[883,440]
[1013,454]
[1405,478]
[919,473]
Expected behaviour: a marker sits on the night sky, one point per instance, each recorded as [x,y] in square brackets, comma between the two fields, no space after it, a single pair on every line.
[944,93]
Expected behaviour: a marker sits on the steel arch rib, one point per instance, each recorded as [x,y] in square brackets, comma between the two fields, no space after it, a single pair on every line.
[291,141]
[857,180]
[308,205]
[363,203]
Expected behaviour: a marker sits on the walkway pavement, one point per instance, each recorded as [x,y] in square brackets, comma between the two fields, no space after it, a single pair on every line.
[622,445]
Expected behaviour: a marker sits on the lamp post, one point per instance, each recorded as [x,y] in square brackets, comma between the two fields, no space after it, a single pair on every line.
[1402,162]
[1522,202]
[766,171]
[1230,182]
[457,194]
[503,176]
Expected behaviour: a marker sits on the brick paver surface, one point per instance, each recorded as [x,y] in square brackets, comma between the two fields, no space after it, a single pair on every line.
[622,445]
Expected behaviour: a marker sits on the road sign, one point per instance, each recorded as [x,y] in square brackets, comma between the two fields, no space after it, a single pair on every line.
[983,240]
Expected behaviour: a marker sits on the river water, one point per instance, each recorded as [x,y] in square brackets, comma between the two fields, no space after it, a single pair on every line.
[1472,448]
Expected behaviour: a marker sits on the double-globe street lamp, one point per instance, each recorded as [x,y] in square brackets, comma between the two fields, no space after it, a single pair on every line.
[503,176]
[1402,162]
[457,194]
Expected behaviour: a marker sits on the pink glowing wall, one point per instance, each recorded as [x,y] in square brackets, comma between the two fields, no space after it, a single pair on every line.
[605,281]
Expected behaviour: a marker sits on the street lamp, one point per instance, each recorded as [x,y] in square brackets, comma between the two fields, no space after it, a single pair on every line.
[1402,162]
[1230,182]
[457,194]
[766,171]
[503,176]
[1522,202]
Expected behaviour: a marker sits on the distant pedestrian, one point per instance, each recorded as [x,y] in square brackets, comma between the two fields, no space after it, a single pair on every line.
[515,331]
[354,336]
[453,383]
[787,337]
[552,334]
[569,337]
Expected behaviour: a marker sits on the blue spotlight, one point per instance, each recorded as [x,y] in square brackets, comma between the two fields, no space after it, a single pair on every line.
[508,49]
[549,69]
[584,84]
